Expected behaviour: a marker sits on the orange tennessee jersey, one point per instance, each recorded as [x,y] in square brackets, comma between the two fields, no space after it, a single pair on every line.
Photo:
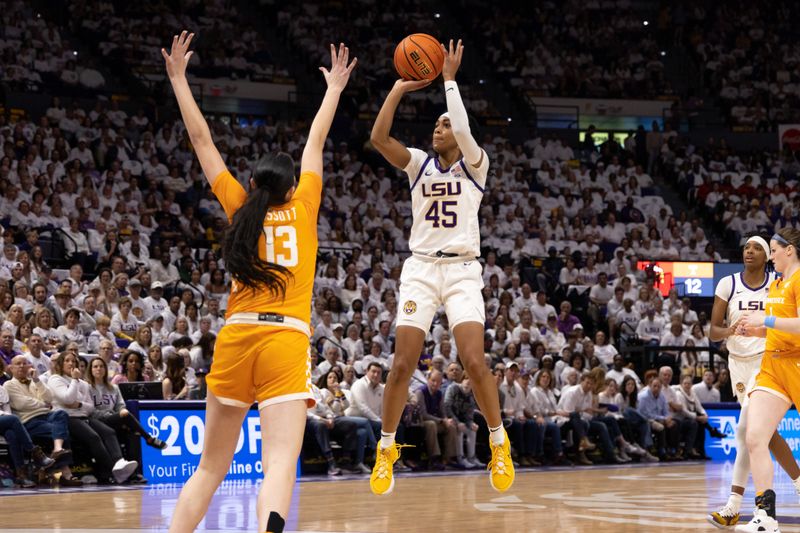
[289,238]
[783,301]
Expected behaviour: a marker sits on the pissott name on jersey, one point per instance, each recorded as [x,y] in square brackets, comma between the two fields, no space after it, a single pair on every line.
[441,188]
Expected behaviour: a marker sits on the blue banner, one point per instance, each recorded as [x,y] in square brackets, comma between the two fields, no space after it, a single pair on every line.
[727,420]
[184,431]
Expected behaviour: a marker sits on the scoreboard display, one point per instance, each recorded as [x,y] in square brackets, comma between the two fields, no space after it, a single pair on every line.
[692,279]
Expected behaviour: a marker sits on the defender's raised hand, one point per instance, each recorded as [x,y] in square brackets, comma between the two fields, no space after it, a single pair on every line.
[179,55]
[339,74]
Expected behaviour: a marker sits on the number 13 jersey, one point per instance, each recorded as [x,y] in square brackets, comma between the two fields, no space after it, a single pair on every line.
[288,238]
[445,204]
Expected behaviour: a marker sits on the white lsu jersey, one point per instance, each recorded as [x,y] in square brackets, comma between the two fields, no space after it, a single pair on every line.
[742,300]
[445,204]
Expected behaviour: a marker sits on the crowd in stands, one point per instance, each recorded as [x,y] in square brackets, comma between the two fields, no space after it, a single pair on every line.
[542,51]
[737,193]
[35,55]
[748,57]
[228,44]
[379,31]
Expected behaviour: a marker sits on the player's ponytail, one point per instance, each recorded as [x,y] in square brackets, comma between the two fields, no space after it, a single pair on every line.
[273,176]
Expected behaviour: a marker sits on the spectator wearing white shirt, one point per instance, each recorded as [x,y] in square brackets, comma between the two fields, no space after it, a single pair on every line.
[673,337]
[123,322]
[541,309]
[366,397]
[604,350]
[522,431]
[599,296]
[705,391]
[525,300]
[154,304]
[651,328]
[620,371]
[578,401]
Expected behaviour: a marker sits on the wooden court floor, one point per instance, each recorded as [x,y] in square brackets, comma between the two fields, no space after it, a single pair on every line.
[673,497]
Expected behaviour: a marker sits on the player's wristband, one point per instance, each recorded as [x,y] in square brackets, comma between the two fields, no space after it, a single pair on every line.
[770,321]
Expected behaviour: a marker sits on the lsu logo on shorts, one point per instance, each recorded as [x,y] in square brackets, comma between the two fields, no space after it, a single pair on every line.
[410,307]
[740,387]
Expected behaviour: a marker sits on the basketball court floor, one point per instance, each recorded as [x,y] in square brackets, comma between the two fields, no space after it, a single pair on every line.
[669,497]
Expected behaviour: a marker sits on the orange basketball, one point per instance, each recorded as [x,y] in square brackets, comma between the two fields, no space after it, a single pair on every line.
[418,57]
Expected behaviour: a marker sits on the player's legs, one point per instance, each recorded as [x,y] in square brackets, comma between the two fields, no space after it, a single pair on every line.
[417,304]
[223,424]
[465,310]
[469,341]
[764,414]
[408,346]
[282,427]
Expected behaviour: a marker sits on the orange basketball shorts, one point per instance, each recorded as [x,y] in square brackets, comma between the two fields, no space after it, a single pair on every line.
[261,363]
[780,376]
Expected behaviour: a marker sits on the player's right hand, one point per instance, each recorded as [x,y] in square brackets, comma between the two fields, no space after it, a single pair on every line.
[178,57]
[407,86]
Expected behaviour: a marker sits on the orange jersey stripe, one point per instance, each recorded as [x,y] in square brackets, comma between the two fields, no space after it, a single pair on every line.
[783,301]
[289,238]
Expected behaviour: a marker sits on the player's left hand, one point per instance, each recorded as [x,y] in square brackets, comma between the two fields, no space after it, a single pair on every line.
[179,56]
[452,60]
[749,323]
[337,76]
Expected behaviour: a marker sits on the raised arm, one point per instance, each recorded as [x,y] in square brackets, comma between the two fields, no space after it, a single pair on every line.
[459,121]
[393,150]
[196,125]
[336,78]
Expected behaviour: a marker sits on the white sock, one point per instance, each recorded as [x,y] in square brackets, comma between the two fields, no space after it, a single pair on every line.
[497,435]
[387,439]
[735,502]
[796,483]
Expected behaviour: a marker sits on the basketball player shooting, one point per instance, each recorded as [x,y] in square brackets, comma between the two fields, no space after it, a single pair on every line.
[446,193]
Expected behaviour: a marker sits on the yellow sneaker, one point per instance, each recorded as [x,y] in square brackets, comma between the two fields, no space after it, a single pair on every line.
[382,479]
[501,467]
[724,518]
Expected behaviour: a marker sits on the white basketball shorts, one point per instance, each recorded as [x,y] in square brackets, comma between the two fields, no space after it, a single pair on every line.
[425,285]
[743,372]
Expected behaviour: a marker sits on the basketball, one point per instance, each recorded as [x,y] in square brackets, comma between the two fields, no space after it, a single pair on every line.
[418,57]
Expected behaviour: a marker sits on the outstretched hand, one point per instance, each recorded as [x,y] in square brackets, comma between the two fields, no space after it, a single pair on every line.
[452,60]
[178,57]
[339,74]
[407,86]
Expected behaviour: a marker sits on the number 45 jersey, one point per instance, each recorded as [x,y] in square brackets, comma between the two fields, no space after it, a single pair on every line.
[288,238]
[445,204]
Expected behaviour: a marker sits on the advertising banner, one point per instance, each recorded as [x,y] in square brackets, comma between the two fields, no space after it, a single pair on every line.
[184,432]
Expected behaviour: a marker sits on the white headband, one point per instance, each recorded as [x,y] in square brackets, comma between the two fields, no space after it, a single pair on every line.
[761,242]
[444,115]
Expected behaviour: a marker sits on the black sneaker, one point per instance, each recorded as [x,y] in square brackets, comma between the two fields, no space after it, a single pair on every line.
[156,443]
[40,458]
[717,434]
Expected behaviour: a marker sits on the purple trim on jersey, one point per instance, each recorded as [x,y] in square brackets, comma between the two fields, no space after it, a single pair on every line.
[419,174]
[440,169]
[766,280]
[463,166]
[733,286]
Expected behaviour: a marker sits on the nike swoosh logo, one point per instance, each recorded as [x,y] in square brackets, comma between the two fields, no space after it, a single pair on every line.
[429,173]
[738,292]
[450,89]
